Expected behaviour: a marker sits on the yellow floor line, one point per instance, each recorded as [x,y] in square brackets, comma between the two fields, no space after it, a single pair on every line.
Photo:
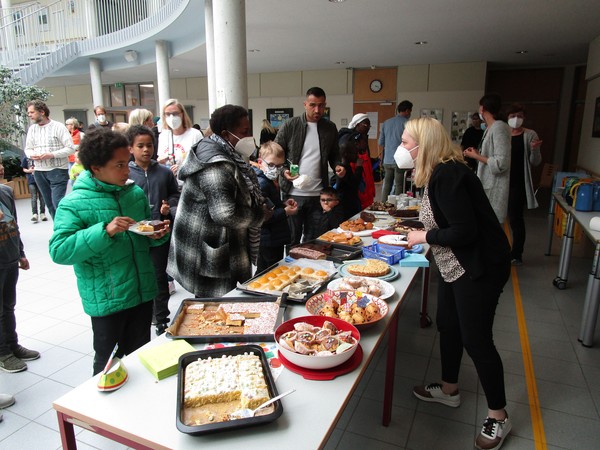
[537,424]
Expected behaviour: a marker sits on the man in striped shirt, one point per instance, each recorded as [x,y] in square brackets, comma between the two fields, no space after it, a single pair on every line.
[49,145]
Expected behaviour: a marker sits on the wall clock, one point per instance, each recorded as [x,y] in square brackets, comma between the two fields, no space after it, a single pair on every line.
[376,86]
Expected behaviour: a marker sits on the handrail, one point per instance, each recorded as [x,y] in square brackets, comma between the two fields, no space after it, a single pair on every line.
[29,35]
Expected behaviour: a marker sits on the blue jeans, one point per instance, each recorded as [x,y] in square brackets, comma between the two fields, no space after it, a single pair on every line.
[53,186]
[8,300]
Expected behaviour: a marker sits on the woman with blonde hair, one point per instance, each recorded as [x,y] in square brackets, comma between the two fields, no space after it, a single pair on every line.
[177,136]
[473,257]
[267,132]
[145,117]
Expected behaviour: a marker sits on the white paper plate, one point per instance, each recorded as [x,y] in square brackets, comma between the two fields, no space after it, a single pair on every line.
[394,239]
[134,229]
[360,233]
[387,290]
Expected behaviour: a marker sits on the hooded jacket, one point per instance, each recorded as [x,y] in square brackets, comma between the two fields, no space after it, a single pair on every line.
[113,274]
[158,183]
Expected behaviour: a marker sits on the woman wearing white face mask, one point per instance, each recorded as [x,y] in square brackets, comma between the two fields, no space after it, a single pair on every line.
[177,136]
[216,231]
[525,152]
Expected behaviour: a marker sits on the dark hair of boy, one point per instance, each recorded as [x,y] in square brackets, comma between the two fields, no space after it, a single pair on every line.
[99,146]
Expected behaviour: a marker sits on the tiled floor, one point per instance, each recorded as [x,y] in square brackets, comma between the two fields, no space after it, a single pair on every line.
[50,319]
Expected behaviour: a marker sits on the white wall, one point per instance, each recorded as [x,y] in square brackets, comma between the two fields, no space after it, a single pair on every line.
[451,87]
[589,147]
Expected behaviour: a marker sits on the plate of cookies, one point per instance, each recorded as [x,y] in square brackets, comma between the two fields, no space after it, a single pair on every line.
[358,227]
[369,268]
[341,237]
[147,227]
[360,309]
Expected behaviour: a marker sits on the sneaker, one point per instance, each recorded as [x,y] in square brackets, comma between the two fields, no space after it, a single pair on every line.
[6,401]
[172,288]
[43,217]
[433,393]
[493,433]
[516,262]
[34,218]
[160,328]
[25,354]
[11,364]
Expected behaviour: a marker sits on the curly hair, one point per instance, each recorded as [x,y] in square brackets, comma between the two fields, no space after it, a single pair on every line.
[99,146]
[40,106]
[138,130]
[227,118]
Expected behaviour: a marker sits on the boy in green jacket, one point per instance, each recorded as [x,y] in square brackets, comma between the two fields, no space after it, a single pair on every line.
[115,275]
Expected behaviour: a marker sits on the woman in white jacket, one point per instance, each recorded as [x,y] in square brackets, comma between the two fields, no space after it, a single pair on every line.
[525,152]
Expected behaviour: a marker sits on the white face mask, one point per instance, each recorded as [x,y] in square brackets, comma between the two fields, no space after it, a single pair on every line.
[245,146]
[515,122]
[101,118]
[174,122]
[270,173]
[403,158]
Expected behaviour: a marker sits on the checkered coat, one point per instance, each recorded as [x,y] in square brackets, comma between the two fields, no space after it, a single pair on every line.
[209,245]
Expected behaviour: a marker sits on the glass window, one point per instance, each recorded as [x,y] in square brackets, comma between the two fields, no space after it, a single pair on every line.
[132,95]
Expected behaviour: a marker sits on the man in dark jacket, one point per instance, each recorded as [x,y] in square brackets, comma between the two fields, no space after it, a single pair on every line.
[311,142]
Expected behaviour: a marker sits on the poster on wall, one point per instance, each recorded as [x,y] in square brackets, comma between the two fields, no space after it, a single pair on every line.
[433,113]
[596,124]
[279,115]
[461,120]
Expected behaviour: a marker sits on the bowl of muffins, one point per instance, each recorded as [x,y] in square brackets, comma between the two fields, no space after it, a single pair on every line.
[316,342]
[355,307]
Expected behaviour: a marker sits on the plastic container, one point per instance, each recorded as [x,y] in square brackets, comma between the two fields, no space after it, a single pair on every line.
[389,253]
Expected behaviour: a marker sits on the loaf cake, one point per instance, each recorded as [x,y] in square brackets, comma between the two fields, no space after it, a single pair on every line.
[371,268]
[225,379]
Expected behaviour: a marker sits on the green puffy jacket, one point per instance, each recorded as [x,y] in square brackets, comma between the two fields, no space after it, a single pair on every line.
[113,274]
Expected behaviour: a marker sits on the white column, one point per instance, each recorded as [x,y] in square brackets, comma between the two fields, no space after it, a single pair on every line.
[96,81]
[210,56]
[162,74]
[229,19]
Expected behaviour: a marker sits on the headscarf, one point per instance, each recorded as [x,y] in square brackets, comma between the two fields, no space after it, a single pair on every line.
[358,118]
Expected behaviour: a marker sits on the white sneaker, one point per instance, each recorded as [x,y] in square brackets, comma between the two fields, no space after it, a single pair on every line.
[43,217]
[172,288]
[433,393]
[493,433]
[34,218]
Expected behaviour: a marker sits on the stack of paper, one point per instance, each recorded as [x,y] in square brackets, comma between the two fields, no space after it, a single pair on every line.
[162,360]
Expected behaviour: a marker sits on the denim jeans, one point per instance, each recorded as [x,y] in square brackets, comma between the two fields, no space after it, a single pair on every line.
[8,300]
[53,186]
[36,196]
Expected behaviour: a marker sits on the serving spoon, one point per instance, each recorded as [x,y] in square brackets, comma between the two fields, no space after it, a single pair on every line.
[246,412]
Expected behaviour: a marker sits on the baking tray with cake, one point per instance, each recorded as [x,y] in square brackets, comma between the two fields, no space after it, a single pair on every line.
[338,253]
[297,278]
[203,409]
[227,319]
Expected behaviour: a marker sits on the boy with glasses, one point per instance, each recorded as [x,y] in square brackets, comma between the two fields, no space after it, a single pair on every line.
[331,214]
[275,232]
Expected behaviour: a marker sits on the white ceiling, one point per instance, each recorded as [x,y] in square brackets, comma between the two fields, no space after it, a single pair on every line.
[293,35]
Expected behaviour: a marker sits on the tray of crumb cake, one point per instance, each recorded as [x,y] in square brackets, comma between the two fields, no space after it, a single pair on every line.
[227,319]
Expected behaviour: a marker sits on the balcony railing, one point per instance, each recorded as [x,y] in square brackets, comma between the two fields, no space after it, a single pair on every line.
[48,36]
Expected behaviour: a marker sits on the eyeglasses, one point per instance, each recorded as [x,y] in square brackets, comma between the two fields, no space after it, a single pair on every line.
[273,166]
[328,200]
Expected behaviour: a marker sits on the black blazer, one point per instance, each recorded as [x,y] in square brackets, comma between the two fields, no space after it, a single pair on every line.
[467,223]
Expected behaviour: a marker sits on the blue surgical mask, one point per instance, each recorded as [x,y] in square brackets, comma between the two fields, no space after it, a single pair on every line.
[483,126]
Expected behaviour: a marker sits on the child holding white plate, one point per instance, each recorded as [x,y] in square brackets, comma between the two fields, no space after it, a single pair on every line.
[115,275]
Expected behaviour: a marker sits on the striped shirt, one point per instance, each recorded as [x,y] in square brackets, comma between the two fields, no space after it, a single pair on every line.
[54,138]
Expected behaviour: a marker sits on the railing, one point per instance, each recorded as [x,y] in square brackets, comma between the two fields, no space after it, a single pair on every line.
[47,36]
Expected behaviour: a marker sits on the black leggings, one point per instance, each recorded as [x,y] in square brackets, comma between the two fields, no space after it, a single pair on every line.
[465,317]
[130,328]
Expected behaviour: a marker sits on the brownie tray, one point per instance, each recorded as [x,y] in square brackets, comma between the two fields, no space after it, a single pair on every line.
[339,252]
[174,330]
[185,360]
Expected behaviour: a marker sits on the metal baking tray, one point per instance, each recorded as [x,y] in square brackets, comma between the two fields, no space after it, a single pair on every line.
[188,358]
[339,252]
[298,298]
[172,330]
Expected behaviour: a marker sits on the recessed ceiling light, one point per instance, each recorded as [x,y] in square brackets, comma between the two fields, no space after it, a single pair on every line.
[253,50]
[340,62]
[522,52]
[336,1]
[421,43]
